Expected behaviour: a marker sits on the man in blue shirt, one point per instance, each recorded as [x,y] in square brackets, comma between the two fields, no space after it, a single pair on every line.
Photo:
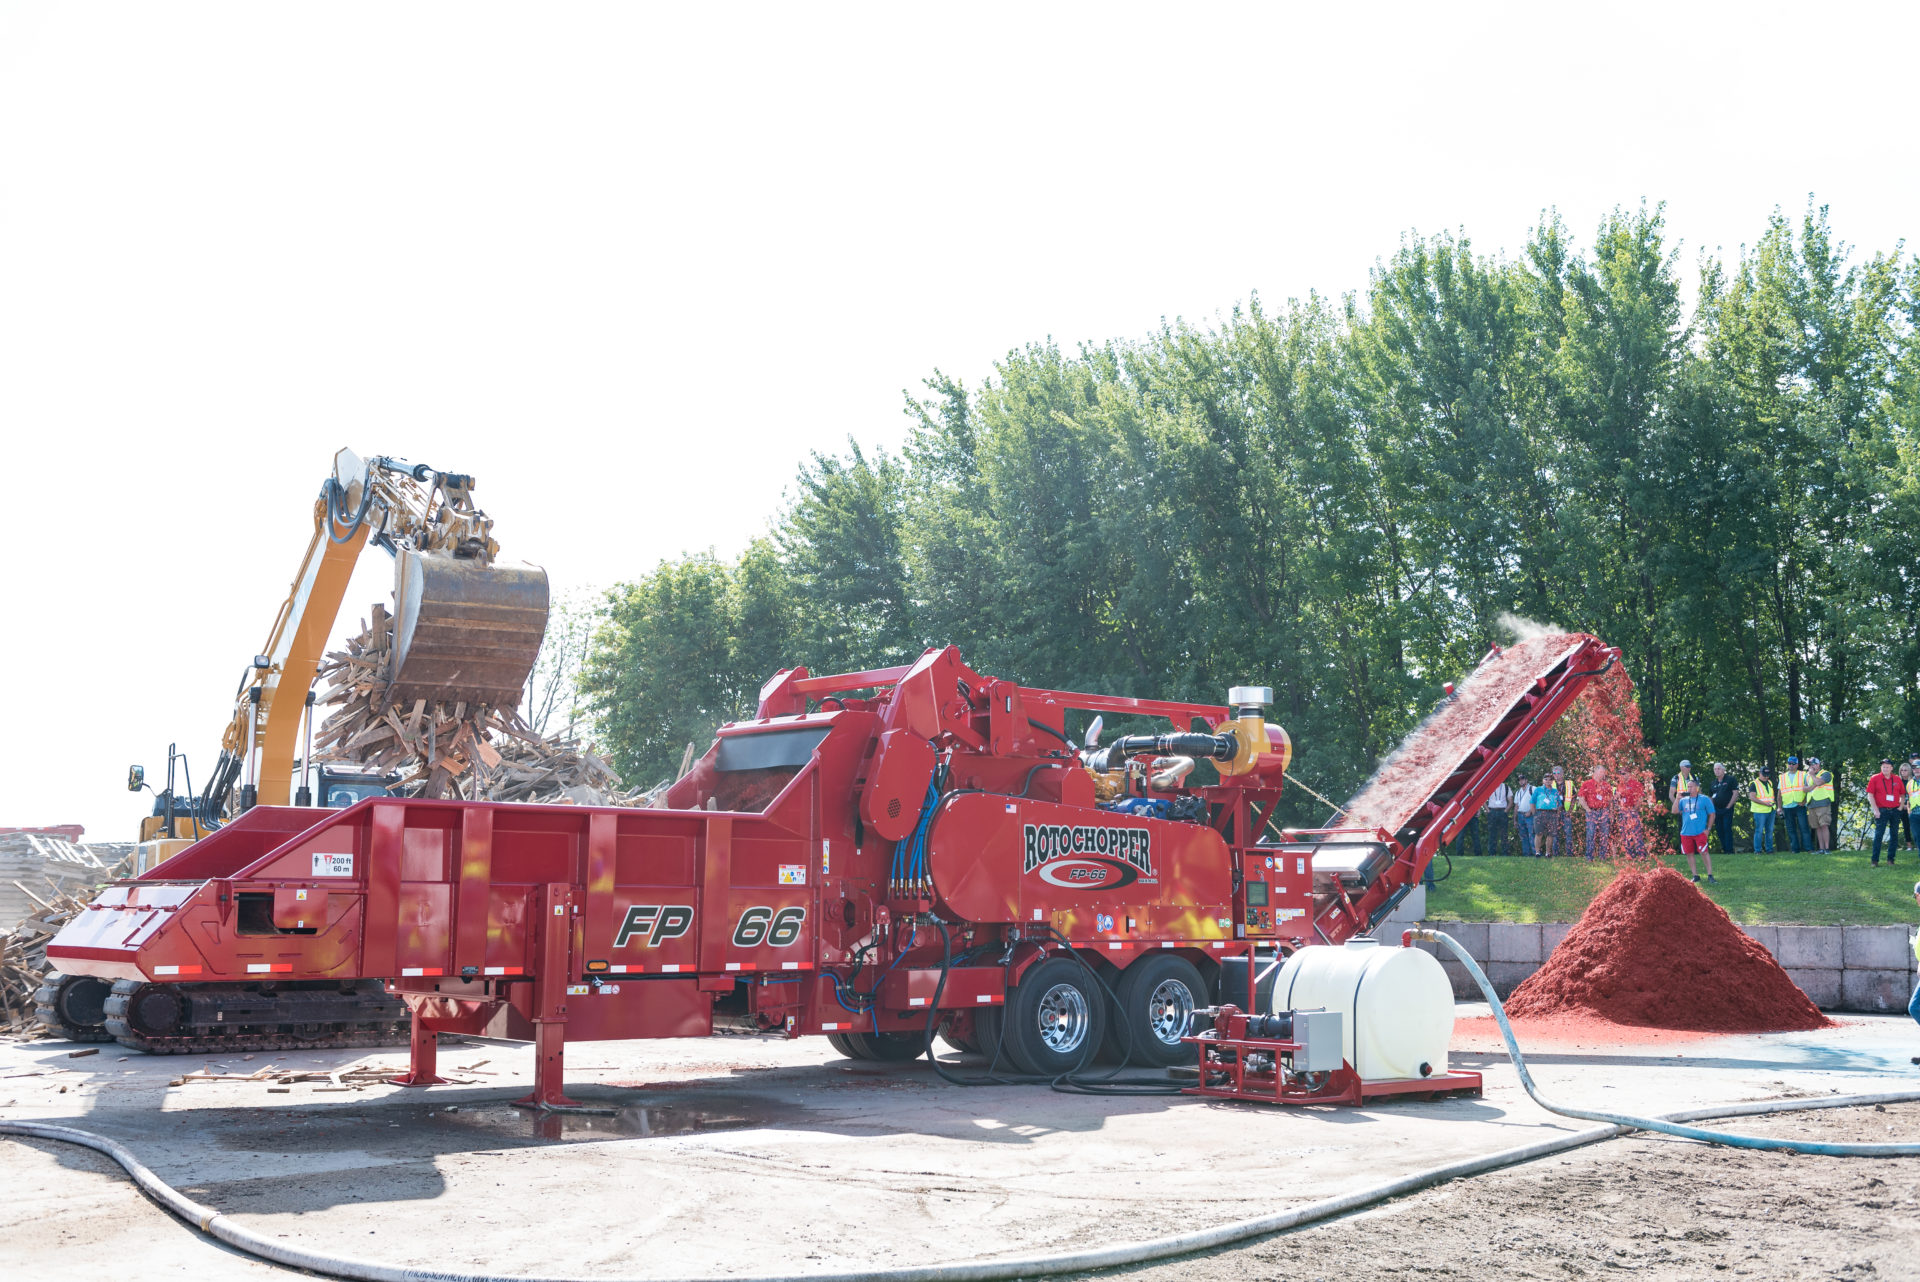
[1547,817]
[1696,817]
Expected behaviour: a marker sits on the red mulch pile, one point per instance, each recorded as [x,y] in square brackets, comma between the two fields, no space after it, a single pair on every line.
[1652,951]
[1408,779]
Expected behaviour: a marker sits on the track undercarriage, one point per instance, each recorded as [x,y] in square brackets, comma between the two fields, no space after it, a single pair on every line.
[172,1019]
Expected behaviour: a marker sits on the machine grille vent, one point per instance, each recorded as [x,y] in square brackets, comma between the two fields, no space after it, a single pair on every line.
[893,808]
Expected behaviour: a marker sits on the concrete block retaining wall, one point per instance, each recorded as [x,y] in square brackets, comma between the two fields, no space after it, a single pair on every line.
[1851,968]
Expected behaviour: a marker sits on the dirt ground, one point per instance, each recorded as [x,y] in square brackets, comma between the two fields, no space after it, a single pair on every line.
[1659,1208]
[743,1156]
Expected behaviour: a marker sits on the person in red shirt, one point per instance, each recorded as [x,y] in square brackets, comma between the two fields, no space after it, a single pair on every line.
[1633,799]
[1888,792]
[1596,795]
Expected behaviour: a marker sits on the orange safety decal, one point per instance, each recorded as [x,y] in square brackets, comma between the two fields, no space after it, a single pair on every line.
[409,971]
[176,970]
[268,968]
[504,970]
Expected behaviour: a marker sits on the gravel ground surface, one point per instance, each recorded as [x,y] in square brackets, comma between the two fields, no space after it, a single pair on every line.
[1657,1208]
[735,1156]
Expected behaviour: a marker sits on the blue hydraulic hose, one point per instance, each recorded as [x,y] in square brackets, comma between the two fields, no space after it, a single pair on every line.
[1648,1123]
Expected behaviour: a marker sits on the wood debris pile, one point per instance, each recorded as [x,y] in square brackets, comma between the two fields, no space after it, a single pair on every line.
[23,958]
[277,1078]
[449,749]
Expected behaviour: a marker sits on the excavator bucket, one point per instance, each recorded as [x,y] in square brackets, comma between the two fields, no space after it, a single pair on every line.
[465,632]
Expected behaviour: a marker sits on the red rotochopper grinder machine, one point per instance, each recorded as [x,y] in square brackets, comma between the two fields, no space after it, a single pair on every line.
[868,843]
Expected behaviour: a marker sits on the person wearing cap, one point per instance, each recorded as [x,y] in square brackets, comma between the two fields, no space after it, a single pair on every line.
[1793,806]
[1723,790]
[1696,816]
[1677,786]
[1888,795]
[1760,798]
[1820,805]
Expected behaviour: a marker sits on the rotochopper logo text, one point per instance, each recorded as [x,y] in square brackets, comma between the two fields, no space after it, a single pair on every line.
[1061,841]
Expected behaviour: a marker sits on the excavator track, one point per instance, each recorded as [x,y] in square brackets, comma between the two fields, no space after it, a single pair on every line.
[168,1019]
[71,1005]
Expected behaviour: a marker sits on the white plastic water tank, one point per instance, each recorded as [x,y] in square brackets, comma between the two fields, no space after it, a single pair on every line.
[1396,1004]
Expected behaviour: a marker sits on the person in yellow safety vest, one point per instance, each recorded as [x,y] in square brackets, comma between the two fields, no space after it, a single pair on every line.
[1913,1003]
[1760,796]
[1793,806]
[1820,804]
[1913,807]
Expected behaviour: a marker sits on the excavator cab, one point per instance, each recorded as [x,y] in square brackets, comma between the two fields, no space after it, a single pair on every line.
[340,789]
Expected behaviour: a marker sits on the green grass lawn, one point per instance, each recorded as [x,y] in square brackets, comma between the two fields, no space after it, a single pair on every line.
[1836,889]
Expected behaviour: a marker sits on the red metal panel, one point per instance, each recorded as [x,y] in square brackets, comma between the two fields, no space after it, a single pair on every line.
[897,787]
[597,918]
[716,872]
[424,849]
[475,851]
[299,907]
[639,1008]
[1008,859]
[380,947]
[424,932]
[509,943]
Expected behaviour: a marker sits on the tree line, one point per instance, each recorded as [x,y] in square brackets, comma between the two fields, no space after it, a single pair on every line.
[1344,499]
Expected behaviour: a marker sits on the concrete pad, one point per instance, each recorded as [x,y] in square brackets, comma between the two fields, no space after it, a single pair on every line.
[1513,942]
[1821,985]
[747,1155]
[1877,947]
[1810,947]
[1874,990]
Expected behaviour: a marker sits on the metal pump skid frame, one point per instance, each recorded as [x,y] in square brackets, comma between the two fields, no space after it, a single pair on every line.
[873,855]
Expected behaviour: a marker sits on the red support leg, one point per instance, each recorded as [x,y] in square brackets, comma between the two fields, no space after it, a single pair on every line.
[550,999]
[423,1063]
[549,1067]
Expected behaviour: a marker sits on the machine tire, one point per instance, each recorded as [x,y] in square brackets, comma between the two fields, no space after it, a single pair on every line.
[890,1048]
[74,1006]
[1055,1018]
[988,1025]
[845,1045]
[1154,992]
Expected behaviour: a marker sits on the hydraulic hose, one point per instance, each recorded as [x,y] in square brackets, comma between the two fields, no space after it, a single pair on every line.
[220,1226]
[1663,1126]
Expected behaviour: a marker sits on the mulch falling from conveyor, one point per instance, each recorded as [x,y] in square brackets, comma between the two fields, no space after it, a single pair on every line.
[1422,763]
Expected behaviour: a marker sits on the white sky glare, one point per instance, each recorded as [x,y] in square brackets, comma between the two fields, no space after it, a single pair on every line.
[628,264]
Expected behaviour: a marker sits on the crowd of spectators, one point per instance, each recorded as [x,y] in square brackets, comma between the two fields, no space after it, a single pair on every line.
[1602,815]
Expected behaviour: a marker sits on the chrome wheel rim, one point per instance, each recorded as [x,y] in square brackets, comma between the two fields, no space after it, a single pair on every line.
[1064,1018]
[1170,1011]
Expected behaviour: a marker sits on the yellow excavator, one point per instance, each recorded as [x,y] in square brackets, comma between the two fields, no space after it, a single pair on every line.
[467,629]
